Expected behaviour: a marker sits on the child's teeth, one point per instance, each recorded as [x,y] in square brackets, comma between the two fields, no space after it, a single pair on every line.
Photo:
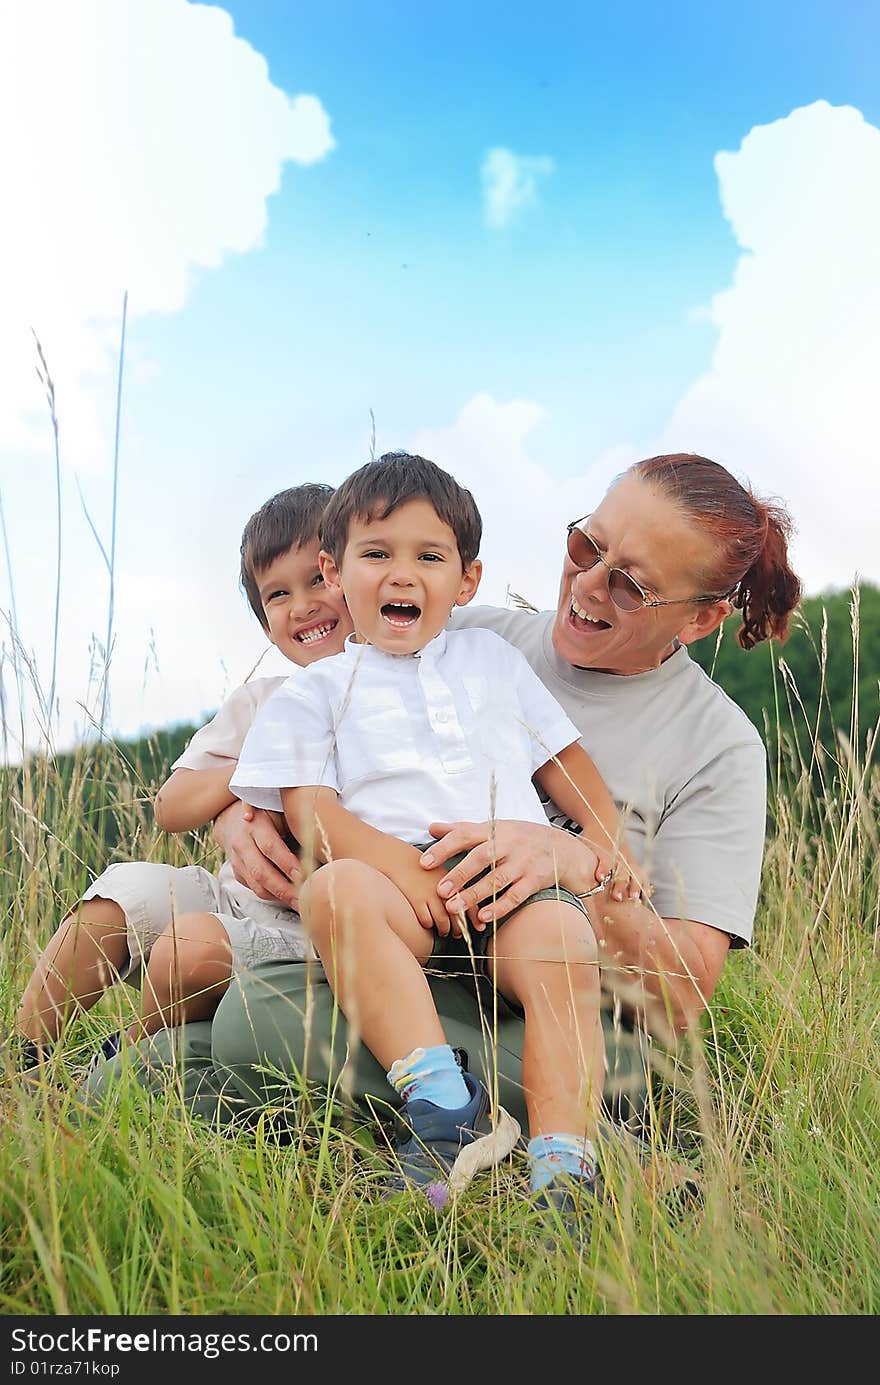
[318,633]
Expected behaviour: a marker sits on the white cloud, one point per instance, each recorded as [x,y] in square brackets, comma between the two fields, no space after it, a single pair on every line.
[510,183]
[139,142]
[790,400]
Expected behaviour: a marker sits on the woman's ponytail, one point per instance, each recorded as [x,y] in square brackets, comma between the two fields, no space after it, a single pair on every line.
[750,538]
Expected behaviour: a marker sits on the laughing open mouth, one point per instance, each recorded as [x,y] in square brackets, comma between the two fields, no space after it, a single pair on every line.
[587,621]
[401,614]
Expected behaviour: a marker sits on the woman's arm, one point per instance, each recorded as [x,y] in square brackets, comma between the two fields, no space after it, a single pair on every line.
[666,968]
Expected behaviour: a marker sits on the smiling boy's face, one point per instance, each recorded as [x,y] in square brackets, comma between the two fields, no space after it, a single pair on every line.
[305,620]
[401,577]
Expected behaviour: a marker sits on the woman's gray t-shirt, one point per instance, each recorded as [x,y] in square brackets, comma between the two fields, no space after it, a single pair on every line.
[684,764]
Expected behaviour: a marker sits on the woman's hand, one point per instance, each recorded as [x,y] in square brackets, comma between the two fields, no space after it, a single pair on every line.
[528,857]
[617,874]
[253,840]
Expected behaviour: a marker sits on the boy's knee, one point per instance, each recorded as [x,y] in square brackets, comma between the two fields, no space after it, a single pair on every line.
[192,940]
[330,899]
[553,944]
[576,939]
[105,915]
[333,883]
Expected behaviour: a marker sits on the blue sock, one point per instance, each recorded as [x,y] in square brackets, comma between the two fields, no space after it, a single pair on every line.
[557,1155]
[430,1074]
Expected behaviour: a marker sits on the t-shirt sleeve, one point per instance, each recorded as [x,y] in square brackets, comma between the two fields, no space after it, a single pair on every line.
[217,744]
[705,862]
[550,729]
[290,744]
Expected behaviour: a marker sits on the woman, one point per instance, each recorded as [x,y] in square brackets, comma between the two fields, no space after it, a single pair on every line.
[674,547]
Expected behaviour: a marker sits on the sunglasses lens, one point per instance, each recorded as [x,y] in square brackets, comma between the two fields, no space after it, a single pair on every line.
[623,591]
[622,588]
[581,549]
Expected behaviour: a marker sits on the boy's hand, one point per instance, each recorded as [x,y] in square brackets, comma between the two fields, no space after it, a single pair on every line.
[420,888]
[253,841]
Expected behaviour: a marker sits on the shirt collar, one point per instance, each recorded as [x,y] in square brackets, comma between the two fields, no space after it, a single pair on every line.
[432,651]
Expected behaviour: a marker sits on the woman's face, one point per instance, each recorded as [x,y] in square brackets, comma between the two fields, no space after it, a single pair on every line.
[639,529]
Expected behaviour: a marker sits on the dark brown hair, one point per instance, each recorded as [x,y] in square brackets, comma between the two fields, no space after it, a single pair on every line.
[750,535]
[380,487]
[288,520]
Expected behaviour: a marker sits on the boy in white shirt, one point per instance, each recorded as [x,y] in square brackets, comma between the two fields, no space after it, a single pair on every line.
[190,928]
[368,753]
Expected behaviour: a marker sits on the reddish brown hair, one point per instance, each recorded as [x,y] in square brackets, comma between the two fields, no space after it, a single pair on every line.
[750,535]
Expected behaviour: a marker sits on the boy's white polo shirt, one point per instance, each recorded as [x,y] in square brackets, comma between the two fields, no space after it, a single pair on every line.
[454,732]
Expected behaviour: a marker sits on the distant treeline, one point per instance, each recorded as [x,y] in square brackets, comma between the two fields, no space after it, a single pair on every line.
[95,802]
[817,689]
[101,795]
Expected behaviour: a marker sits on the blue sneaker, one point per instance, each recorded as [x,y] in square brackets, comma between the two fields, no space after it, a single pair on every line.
[440,1151]
[109,1049]
[28,1054]
[568,1203]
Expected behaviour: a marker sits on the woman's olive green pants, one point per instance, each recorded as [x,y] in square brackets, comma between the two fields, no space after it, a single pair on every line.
[278,1034]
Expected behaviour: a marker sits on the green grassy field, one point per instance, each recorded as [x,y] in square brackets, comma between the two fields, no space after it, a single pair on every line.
[139,1209]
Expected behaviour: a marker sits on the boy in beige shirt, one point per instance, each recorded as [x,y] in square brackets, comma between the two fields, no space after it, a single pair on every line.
[187,928]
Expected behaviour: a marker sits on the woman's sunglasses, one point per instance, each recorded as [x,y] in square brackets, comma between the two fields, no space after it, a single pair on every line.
[623,589]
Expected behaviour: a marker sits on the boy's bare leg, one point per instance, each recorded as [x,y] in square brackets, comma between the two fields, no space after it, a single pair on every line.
[82,959]
[373,949]
[189,970]
[545,959]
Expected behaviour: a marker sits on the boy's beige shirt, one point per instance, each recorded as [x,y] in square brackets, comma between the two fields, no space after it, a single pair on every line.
[218,743]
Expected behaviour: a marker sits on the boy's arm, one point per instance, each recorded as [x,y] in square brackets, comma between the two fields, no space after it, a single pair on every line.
[330,832]
[190,798]
[570,777]
[258,850]
[197,790]
[574,783]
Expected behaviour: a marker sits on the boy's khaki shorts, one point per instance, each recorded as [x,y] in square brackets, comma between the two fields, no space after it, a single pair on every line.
[152,895]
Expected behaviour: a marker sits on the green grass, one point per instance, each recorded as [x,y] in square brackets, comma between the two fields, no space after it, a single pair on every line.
[139,1209]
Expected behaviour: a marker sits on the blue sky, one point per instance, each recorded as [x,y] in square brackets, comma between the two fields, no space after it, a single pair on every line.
[539,241]
[582,301]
